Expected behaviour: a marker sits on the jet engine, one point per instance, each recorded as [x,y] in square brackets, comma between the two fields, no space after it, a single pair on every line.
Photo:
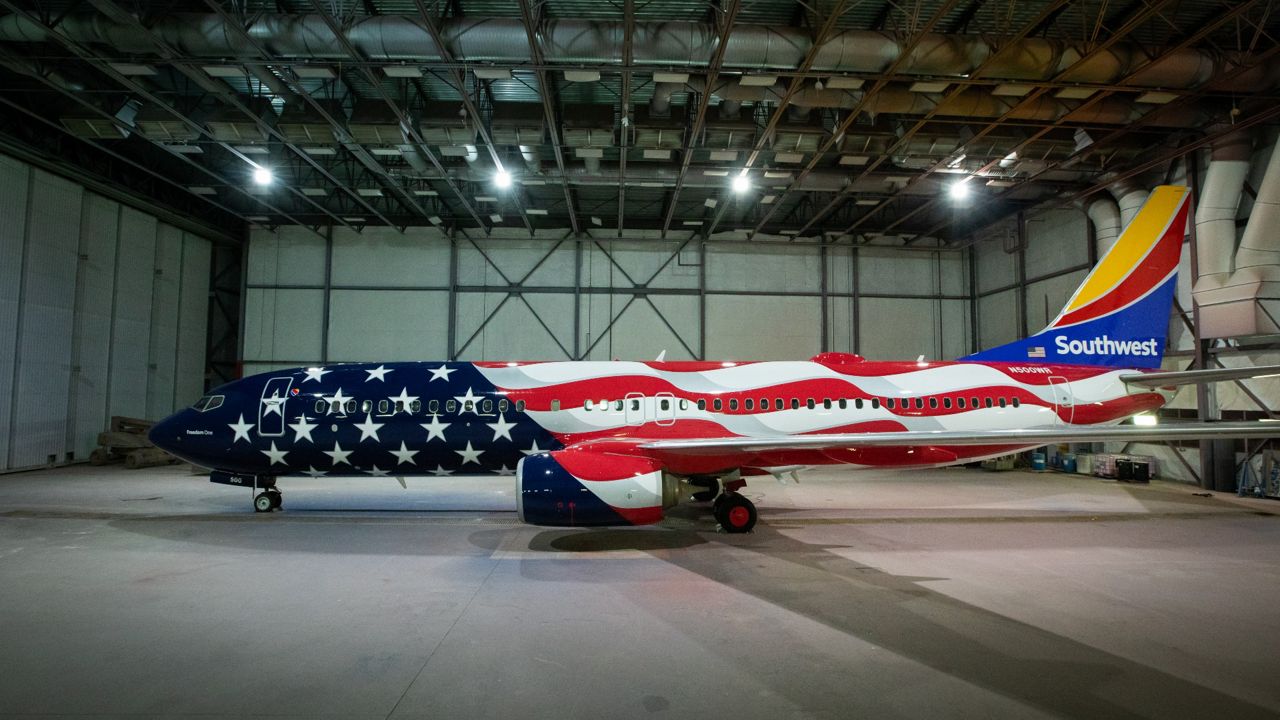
[587,488]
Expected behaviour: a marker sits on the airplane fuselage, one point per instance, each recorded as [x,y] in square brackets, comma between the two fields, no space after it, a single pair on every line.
[444,418]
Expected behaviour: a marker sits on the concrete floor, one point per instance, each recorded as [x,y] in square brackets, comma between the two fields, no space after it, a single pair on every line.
[950,593]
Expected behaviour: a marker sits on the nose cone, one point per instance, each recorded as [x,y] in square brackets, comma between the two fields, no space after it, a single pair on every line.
[167,434]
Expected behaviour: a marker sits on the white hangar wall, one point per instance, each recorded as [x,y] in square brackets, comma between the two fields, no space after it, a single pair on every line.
[102,312]
[342,296]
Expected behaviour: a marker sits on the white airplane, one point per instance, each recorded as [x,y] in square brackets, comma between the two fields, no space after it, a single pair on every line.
[616,443]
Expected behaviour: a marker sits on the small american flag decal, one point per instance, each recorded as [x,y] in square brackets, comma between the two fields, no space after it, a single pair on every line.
[1035,352]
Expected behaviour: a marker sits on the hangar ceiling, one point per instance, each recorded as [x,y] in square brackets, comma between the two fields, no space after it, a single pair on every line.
[847,117]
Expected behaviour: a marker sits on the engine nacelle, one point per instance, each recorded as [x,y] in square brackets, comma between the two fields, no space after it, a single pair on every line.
[581,487]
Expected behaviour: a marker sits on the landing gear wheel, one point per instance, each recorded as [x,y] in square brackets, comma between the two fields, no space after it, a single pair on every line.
[264,503]
[735,513]
[277,500]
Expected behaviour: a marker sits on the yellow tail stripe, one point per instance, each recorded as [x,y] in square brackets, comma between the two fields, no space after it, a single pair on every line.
[1134,244]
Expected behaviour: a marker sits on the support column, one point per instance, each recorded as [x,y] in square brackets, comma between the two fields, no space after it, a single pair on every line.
[1217,457]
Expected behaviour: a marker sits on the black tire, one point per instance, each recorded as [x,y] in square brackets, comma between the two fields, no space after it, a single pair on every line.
[264,503]
[735,513]
[277,500]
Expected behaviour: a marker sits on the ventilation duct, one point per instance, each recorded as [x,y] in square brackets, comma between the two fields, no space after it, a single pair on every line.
[1130,197]
[159,125]
[300,124]
[522,125]
[657,132]
[1248,302]
[1216,214]
[1105,216]
[666,44]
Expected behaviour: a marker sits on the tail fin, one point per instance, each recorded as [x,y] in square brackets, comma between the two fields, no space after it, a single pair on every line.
[1119,316]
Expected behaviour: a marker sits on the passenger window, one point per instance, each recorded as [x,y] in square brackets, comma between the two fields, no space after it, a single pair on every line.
[617,405]
[433,406]
[749,404]
[843,404]
[399,406]
[933,403]
[702,403]
[555,405]
[764,403]
[503,405]
[415,407]
[988,402]
[586,404]
[960,403]
[795,403]
[635,404]
[974,403]
[1001,402]
[664,404]
[875,403]
[857,404]
[889,403]
[336,406]
[469,406]
[1015,402]
[684,404]
[321,406]
[946,403]
[486,406]
[351,407]
[366,406]
[777,403]
[809,403]
[733,404]
[383,406]
[826,403]
[718,404]
[519,406]
[451,406]
[919,403]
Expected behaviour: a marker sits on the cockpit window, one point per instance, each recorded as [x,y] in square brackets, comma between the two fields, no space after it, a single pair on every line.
[208,402]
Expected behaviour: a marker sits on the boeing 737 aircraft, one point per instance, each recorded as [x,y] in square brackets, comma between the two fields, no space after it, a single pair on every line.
[616,443]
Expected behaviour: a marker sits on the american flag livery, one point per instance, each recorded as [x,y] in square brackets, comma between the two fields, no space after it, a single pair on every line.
[615,443]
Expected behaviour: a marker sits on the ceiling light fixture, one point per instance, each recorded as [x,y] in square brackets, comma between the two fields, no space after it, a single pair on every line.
[502,179]
[959,190]
[262,176]
[741,184]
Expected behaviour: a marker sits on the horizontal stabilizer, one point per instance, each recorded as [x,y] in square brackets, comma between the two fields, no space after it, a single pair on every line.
[1013,438]
[1191,377]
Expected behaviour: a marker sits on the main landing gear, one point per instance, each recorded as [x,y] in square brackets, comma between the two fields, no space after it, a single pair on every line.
[267,500]
[732,511]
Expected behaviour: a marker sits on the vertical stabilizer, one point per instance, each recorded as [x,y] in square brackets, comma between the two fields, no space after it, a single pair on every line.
[1119,316]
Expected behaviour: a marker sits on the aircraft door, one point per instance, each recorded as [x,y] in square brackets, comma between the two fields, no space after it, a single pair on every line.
[665,408]
[634,408]
[271,410]
[1063,403]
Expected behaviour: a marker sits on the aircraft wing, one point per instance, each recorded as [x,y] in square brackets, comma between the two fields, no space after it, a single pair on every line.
[1189,377]
[922,438]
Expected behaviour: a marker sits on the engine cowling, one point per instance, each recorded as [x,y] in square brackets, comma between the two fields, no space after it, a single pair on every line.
[585,488]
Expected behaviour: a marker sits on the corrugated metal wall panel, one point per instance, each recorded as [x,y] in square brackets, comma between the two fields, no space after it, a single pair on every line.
[46,319]
[14,181]
[165,295]
[193,318]
[131,331]
[95,287]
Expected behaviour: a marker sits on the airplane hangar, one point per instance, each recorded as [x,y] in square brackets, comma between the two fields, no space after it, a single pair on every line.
[194,192]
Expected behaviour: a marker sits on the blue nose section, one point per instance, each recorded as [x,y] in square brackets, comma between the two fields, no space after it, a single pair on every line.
[167,434]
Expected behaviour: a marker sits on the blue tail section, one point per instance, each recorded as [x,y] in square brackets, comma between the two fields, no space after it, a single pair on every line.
[1119,316]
